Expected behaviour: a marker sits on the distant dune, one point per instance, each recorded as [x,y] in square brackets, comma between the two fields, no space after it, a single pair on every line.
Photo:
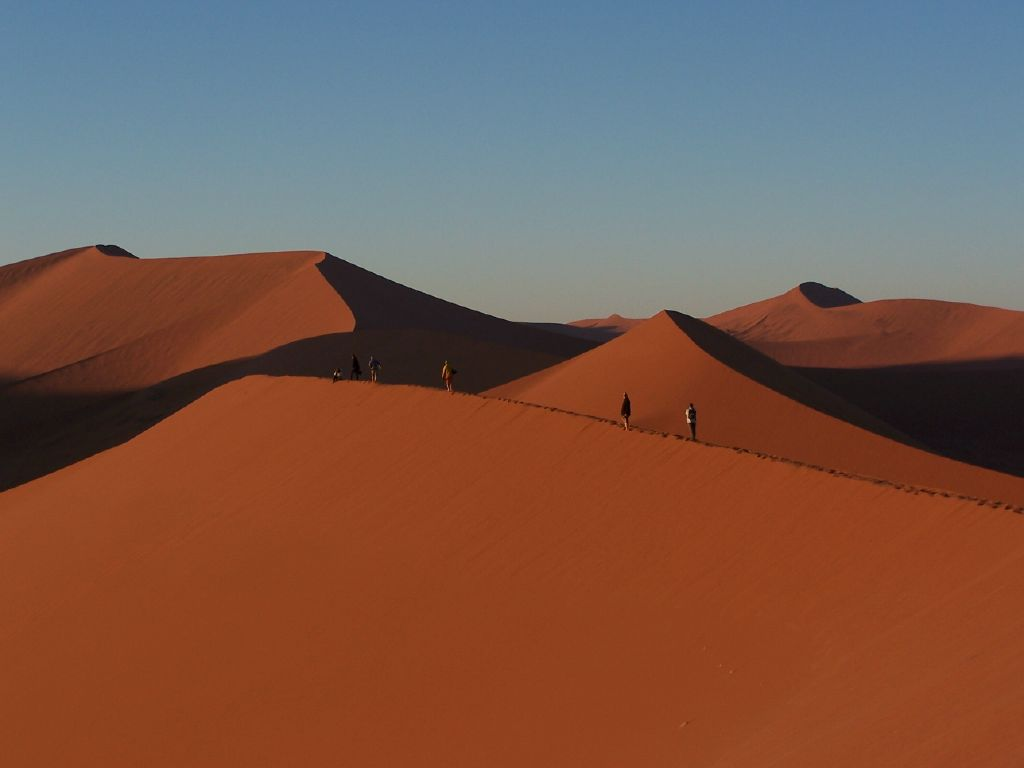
[94,328]
[948,374]
[816,326]
[598,330]
[288,572]
[743,399]
[613,325]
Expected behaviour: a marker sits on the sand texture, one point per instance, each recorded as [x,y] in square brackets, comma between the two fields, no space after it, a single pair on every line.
[288,572]
[816,326]
[947,374]
[743,399]
[98,344]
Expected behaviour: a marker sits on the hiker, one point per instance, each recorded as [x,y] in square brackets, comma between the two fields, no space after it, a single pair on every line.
[691,419]
[336,375]
[356,370]
[447,373]
[625,410]
[374,366]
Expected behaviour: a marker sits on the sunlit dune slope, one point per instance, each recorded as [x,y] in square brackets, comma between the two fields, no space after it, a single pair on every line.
[137,321]
[743,399]
[129,322]
[816,326]
[86,329]
[293,573]
[947,374]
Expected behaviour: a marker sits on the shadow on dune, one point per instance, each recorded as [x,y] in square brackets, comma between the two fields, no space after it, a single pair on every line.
[598,334]
[379,303]
[758,367]
[826,297]
[971,412]
[44,431]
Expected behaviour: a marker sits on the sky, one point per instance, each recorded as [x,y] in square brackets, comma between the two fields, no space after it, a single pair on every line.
[535,160]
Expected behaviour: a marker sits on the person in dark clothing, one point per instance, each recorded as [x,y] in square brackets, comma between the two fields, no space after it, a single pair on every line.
[357,371]
[626,410]
[691,419]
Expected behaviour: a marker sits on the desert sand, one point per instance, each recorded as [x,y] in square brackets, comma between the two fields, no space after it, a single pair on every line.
[614,324]
[813,325]
[98,344]
[948,374]
[457,581]
[743,399]
[212,555]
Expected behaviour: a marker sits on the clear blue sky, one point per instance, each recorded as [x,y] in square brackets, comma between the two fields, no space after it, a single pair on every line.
[537,160]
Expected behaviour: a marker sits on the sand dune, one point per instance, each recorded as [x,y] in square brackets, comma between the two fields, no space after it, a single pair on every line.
[88,333]
[456,581]
[599,329]
[138,321]
[614,324]
[744,399]
[816,326]
[947,374]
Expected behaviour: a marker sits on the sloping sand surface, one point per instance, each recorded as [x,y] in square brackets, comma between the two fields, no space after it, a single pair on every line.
[293,573]
[86,330]
[382,304]
[613,325]
[743,399]
[175,315]
[947,374]
[815,326]
[140,321]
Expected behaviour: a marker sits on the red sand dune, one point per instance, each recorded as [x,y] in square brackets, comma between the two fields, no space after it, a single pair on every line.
[743,399]
[89,326]
[614,324]
[599,330]
[947,374]
[133,322]
[290,573]
[816,326]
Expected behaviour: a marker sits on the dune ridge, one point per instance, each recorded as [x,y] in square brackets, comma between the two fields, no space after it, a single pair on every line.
[117,343]
[797,329]
[947,374]
[743,399]
[539,589]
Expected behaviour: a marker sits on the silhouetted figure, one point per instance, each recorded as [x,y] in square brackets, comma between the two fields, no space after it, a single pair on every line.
[447,374]
[356,371]
[626,410]
[691,419]
[336,375]
[374,366]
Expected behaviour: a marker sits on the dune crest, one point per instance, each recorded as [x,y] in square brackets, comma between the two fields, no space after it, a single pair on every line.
[466,582]
[95,336]
[822,329]
[610,327]
[825,296]
[743,399]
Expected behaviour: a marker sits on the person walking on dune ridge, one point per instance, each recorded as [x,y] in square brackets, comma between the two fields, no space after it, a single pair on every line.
[357,370]
[626,410]
[447,374]
[374,366]
[691,419]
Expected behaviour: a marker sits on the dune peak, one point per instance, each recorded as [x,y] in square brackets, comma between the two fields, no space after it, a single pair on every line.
[103,250]
[825,296]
